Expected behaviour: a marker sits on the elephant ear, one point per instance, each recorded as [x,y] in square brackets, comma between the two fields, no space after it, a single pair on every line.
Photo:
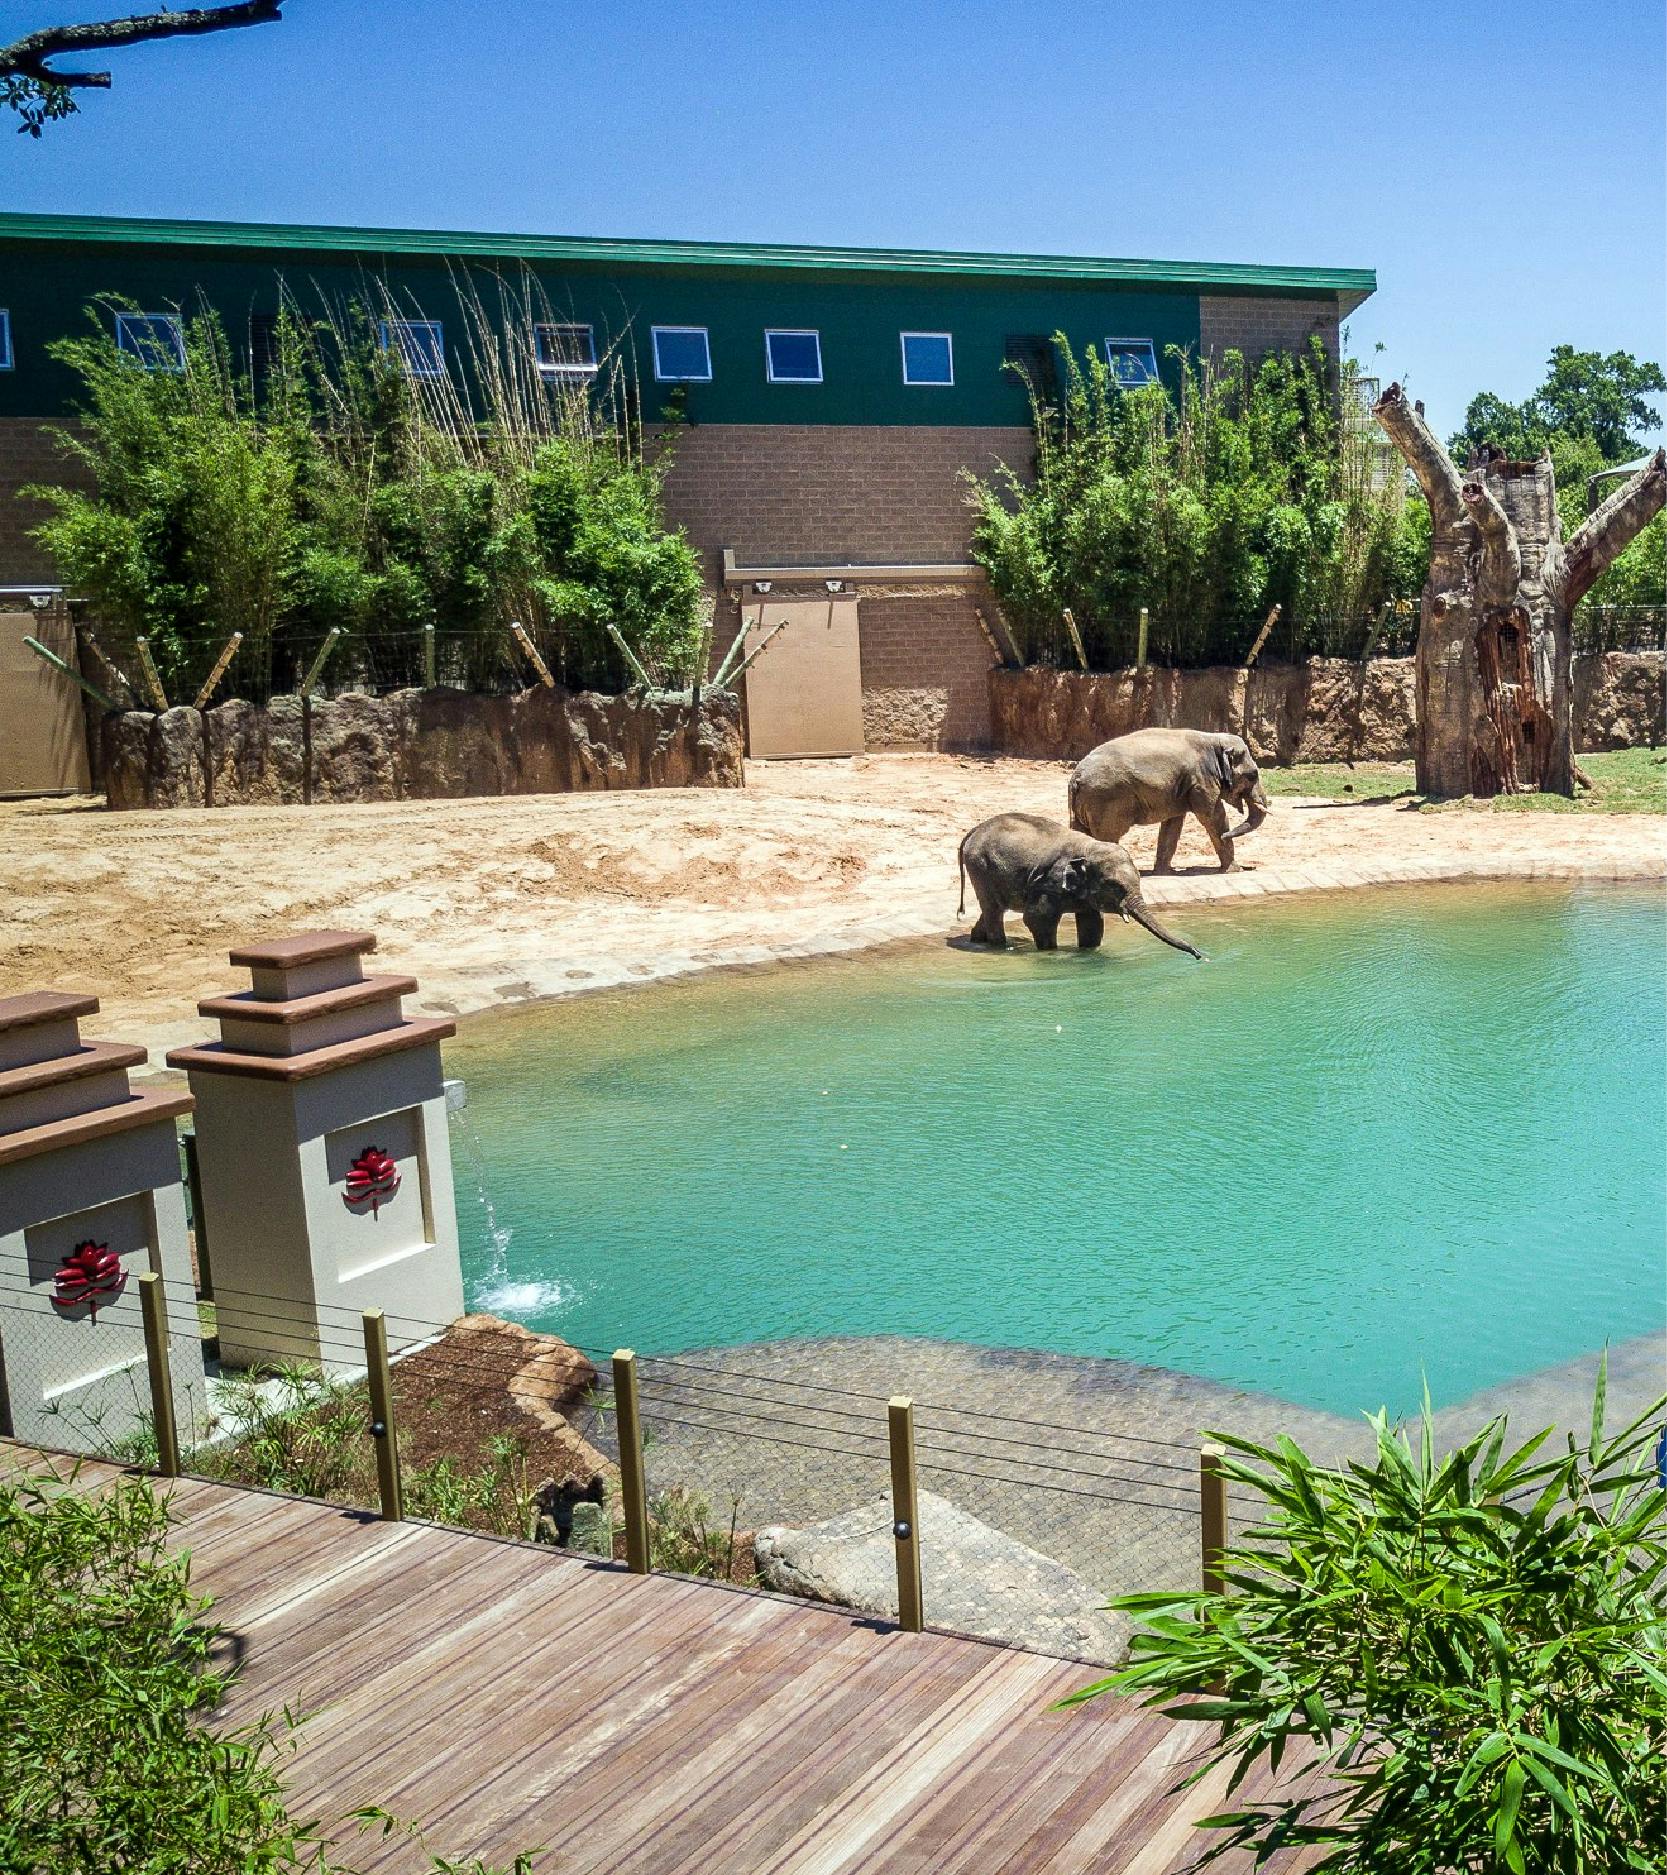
[1076,877]
[1036,882]
[1226,763]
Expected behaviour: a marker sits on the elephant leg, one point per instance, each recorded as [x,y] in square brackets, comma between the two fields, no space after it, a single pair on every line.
[1169,837]
[1091,928]
[1043,926]
[991,927]
[1216,822]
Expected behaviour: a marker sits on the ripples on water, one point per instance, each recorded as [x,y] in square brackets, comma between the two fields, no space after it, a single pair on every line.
[1413,1131]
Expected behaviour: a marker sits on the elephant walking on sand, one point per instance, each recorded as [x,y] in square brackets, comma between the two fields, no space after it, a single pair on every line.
[1163,775]
[1036,867]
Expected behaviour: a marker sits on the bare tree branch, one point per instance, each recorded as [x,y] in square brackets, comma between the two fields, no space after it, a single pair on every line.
[1501,570]
[1599,539]
[1410,434]
[27,58]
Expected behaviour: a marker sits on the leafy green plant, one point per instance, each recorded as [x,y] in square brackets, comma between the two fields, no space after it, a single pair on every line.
[337,488]
[1469,1653]
[683,1539]
[1251,486]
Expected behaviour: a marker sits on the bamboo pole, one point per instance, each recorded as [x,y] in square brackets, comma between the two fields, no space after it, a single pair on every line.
[1268,624]
[628,654]
[199,1225]
[730,654]
[757,651]
[1141,631]
[219,671]
[996,651]
[112,669]
[905,1527]
[316,670]
[1212,1517]
[153,1306]
[530,652]
[72,673]
[1076,641]
[633,1487]
[148,670]
[388,1484]
[430,662]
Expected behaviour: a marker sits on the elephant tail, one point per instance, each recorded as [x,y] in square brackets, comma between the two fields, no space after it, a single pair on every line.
[961,863]
[1073,796]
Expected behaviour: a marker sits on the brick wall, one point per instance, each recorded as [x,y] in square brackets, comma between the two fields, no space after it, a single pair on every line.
[829,494]
[1258,326]
[27,454]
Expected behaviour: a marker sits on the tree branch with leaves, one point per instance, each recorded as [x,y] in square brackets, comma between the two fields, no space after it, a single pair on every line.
[40,91]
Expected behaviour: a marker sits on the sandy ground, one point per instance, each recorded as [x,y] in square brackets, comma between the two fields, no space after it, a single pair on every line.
[490,901]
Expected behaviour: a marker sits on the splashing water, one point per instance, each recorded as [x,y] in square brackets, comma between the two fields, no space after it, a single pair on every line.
[494,1291]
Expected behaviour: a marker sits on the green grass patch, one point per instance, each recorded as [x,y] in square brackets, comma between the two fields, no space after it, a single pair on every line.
[1624,781]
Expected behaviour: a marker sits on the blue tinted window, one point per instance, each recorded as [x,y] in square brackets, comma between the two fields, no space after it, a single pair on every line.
[565,348]
[928,358]
[5,341]
[682,355]
[1133,362]
[793,357]
[419,344]
[154,339]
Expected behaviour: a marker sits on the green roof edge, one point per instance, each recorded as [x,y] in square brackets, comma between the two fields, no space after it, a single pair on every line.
[1353,282]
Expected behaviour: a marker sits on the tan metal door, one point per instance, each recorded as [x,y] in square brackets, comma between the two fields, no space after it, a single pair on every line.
[804,695]
[43,742]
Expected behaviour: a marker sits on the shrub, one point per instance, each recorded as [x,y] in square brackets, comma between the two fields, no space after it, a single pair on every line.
[1472,1650]
[1245,490]
[340,490]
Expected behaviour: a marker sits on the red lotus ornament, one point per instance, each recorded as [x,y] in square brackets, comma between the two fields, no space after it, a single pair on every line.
[371,1177]
[93,1274]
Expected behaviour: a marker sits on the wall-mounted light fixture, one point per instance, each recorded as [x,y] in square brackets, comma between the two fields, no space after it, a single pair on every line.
[835,585]
[761,585]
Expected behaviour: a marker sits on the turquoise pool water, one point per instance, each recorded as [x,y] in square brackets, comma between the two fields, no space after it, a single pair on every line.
[1378,1136]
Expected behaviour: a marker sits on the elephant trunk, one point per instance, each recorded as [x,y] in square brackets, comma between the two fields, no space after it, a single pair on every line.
[1135,907]
[1254,814]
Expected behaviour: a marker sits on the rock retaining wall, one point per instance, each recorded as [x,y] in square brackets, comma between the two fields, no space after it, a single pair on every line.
[1328,710]
[417,745]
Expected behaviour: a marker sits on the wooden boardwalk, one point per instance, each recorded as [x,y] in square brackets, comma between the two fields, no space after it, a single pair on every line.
[507,1696]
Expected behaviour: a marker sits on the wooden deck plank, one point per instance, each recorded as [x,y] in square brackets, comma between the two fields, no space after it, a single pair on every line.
[508,1696]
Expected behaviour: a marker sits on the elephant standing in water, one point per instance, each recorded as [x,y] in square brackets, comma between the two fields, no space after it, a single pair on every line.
[1163,775]
[1036,867]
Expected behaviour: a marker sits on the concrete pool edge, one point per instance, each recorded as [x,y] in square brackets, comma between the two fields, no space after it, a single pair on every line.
[545,983]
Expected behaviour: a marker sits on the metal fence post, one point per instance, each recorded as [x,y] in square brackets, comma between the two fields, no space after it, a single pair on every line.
[199,1226]
[430,662]
[905,1527]
[388,1485]
[633,1487]
[1212,1517]
[153,1305]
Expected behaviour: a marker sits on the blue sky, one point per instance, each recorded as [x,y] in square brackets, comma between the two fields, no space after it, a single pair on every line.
[1499,165]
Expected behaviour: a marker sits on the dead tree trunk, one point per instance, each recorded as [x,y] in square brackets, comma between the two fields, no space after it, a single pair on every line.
[1495,649]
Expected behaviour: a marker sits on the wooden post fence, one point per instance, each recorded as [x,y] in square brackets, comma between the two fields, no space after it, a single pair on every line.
[430,662]
[1076,639]
[212,682]
[531,653]
[1268,624]
[388,1484]
[633,1489]
[147,669]
[905,1527]
[153,1305]
[1212,1517]
[1141,630]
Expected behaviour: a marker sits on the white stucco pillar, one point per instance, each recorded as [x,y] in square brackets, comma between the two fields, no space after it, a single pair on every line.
[90,1198]
[324,1156]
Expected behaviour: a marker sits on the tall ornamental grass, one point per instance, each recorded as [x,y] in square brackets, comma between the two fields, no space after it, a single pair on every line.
[336,486]
[1254,486]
